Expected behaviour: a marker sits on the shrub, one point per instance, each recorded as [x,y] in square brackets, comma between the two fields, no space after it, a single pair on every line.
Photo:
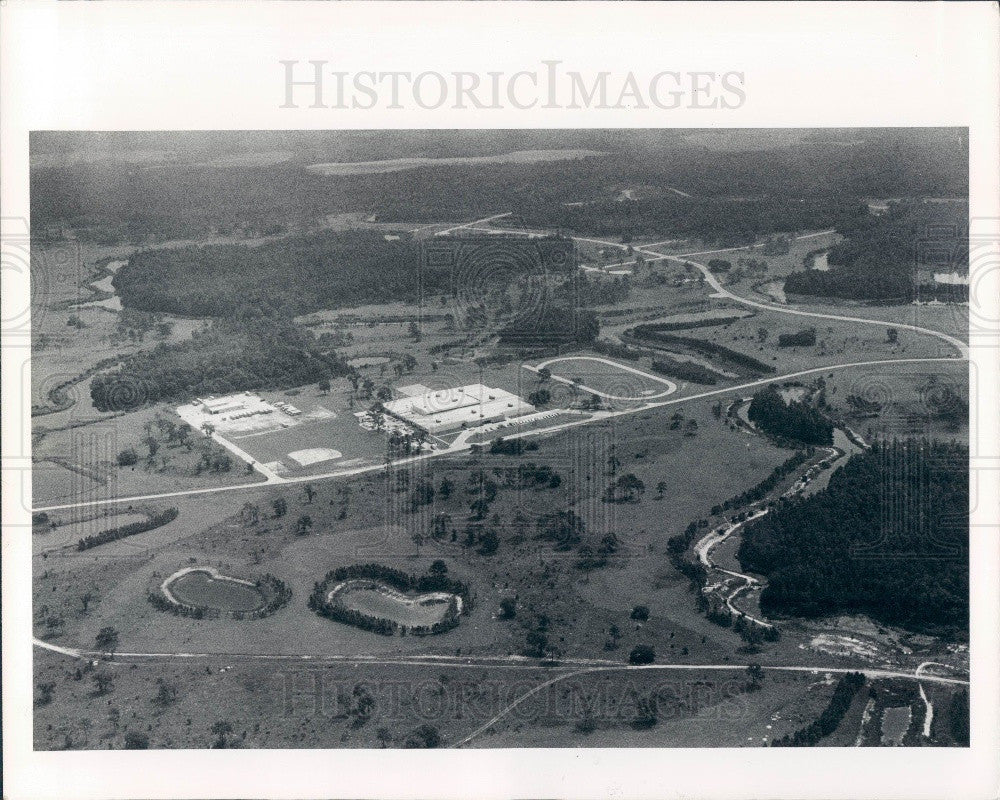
[642,654]
[804,338]
[128,458]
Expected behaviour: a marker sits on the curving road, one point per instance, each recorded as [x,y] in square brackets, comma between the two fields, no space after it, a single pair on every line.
[961,347]
[671,386]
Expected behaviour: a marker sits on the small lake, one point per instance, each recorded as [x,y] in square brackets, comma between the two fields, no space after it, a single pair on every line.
[201,589]
[382,602]
[819,261]
[774,290]
[895,723]
[104,285]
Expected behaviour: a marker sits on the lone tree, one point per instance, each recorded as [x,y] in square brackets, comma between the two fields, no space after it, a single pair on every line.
[107,640]
[642,654]
[303,525]
[280,507]
[102,682]
[756,675]
[891,335]
[221,729]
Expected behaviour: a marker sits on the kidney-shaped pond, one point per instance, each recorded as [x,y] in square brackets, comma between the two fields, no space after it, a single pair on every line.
[377,600]
[203,589]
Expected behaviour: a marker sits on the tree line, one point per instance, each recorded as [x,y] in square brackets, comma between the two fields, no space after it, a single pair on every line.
[650,336]
[123,531]
[847,687]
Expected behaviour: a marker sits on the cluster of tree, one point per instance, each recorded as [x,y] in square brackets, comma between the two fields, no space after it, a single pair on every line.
[58,399]
[585,292]
[615,350]
[529,475]
[122,531]
[795,421]
[246,352]
[399,443]
[944,403]
[761,490]
[423,737]
[540,397]
[685,371]
[852,547]
[511,447]
[648,335]
[590,557]
[880,256]
[624,489]
[862,406]
[300,273]
[554,326]
[564,528]
[804,338]
[718,265]
[847,687]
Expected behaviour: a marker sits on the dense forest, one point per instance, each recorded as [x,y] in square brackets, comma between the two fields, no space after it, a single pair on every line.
[797,421]
[880,258]
[248,352]
[720,221]
[298,273]
[889,536]
[143,187]
[554,326]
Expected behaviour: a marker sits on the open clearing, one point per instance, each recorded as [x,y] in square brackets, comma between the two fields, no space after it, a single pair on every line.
[399,164]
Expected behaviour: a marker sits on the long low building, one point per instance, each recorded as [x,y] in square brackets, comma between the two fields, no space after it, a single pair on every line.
[462,407]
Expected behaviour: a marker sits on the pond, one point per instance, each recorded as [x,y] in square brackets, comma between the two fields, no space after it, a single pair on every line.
[377,600]
[895,724]
[203,589]
[774,290]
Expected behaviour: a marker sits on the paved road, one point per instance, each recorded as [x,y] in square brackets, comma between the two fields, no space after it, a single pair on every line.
[474,662]
[577,667]
[721,291]
[460,445]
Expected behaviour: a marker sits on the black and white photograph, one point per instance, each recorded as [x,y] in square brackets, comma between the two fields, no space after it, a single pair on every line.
[424,418]
[416,439]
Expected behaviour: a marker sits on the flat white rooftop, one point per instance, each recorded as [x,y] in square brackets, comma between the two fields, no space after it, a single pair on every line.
[447,409]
